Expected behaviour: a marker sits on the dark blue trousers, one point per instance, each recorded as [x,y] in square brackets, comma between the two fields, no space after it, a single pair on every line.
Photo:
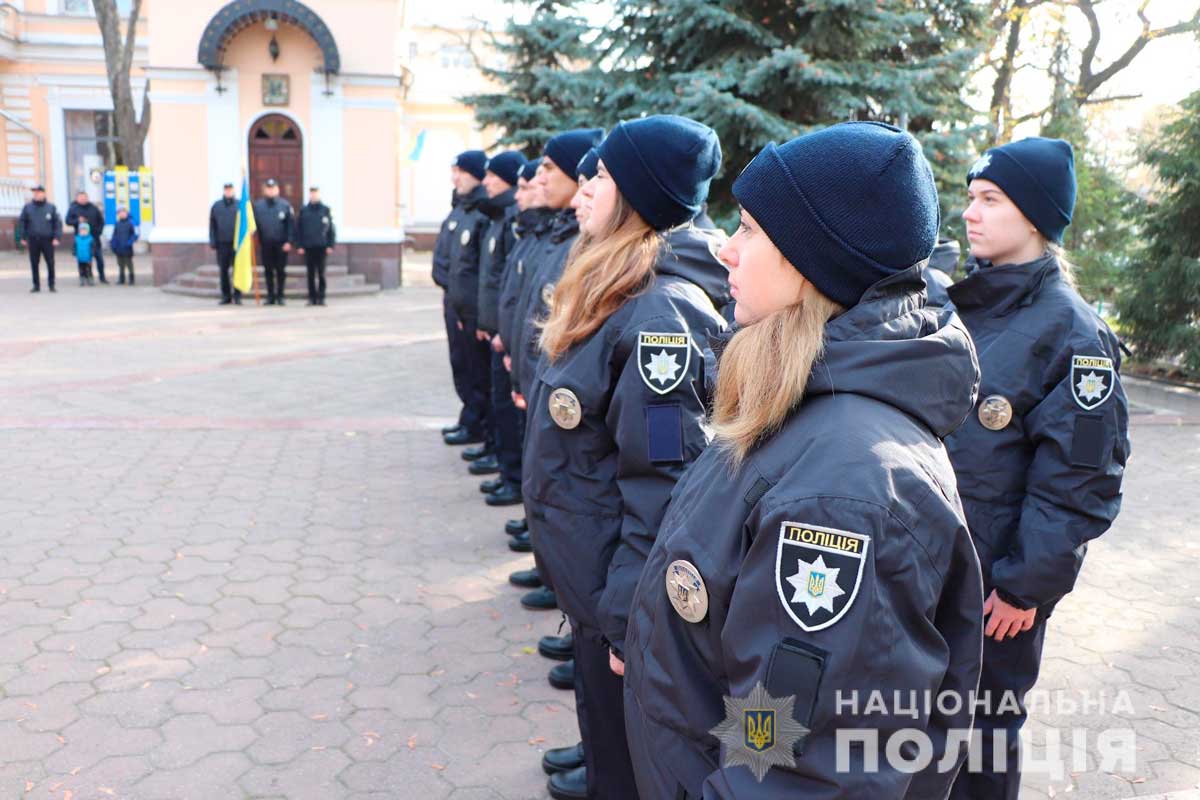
[469,416]
[508,424]
[1008,666]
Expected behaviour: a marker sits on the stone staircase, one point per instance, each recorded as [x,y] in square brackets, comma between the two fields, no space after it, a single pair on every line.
[206,282]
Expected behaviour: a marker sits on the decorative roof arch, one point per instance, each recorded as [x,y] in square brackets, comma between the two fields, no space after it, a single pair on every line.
[241,14]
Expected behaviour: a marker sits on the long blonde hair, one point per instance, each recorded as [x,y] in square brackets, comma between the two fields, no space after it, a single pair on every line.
[603,272]
[1065,268]
[749,404]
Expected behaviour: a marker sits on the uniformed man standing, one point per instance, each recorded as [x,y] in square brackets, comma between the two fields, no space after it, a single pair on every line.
[276,229]
[222,227]
[315,237]
[84,210]
[462,290]
[43,229]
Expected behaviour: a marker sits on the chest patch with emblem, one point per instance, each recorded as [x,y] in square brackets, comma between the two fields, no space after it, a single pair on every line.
[995,412]
[283,215]
[565,409]
[686,591]
[465,238]
[663,359]
[548,295]
[325,221]
[491,246]
[1092,380]
[818,572]
[453,224]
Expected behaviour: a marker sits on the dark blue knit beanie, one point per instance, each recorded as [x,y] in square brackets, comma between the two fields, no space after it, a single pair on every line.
[663,165]
[588,164]
[566,149]
[847,206]
[530,168]
[507,166]
[472,161]
[1038,175]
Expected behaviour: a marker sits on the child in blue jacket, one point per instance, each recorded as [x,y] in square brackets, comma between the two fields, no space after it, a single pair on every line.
[84,244]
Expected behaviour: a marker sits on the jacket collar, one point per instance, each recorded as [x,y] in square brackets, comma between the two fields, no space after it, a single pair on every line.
[997,290]
[565,225]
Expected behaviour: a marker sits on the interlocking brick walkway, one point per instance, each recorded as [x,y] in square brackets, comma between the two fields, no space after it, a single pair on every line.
[236,561]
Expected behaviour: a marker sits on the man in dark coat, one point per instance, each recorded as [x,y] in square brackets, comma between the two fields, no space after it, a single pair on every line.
[315,237]
[84,210]
[222,227]
[276,229]
[42,227]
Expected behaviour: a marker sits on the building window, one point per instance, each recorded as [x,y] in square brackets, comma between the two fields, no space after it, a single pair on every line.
[84,7]
[91,145]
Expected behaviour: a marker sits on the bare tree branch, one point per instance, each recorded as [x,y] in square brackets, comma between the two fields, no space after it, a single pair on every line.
[1091,101]
[118,60]
[1090,80]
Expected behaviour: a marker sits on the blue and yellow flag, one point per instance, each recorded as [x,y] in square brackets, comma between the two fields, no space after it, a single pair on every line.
[243,242]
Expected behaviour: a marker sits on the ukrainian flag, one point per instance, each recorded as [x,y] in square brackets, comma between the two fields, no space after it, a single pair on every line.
[243,242]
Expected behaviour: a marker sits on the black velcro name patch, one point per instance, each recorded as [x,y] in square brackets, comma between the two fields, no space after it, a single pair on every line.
[796,668]
[1087,443]
[664,432]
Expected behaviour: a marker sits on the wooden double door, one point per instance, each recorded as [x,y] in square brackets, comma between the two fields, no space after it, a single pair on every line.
[277,151]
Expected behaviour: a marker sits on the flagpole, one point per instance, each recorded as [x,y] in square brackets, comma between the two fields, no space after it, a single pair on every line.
[253,266]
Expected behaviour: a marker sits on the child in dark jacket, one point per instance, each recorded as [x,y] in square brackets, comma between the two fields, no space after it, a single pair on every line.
[84,244]
[124,234]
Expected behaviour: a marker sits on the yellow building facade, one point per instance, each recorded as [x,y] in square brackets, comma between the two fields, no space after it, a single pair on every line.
[355,96]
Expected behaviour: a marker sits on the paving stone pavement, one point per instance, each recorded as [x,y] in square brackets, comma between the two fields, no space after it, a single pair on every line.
[236,562]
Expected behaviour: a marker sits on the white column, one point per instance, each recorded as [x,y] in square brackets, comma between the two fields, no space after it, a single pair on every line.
[225,162]
[324,146]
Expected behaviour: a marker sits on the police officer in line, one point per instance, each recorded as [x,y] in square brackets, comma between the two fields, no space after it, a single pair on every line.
[42,229]
[466,173]
[466,427]
[1041,460]
[463,294]
[500,183]
[557,191]
[84,210]
[315,239]
[817,548]
[531,222]
[617,406]
[276,230]
[557,182]
[542,597]
[222,228]
[531,215]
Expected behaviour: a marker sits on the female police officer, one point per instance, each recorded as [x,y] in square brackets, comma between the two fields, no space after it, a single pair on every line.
[617,404]
[1040,462]
[817,551]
